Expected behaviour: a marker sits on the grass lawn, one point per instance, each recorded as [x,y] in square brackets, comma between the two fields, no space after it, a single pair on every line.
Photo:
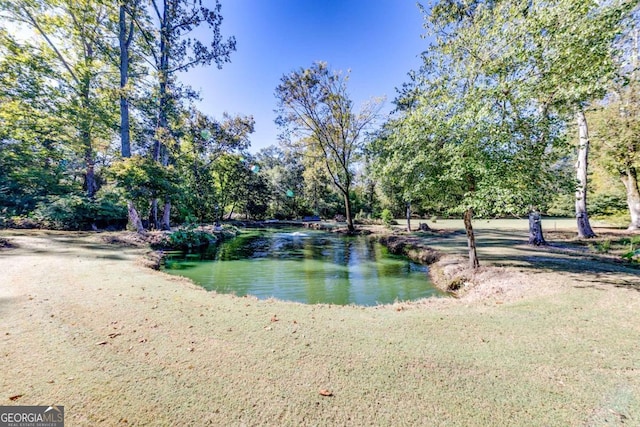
[546,337]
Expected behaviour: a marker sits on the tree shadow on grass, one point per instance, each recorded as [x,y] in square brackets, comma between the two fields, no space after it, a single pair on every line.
[56,244]
[509,248]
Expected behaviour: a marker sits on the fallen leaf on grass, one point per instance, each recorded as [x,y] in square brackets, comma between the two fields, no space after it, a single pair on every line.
[326,393]
[15,397]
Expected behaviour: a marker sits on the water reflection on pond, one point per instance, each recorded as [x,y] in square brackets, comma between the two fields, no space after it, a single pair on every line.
[308,267]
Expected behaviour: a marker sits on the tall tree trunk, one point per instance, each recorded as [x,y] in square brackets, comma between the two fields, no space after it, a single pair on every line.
[166,215]
[347,210]
[134,218]
[160,152]
[124,39]
[153,215]
[409,217]
[535,229]
[584,227]
[630,181]
[85,137]
[90,173]
[471,239]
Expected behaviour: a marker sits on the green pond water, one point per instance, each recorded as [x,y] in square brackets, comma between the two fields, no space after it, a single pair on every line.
[309,267]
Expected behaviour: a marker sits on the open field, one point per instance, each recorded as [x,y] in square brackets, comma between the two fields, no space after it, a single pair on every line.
[548,338]
[548,224]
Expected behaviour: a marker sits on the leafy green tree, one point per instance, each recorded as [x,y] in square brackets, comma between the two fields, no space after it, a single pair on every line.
[284,171]
[234,175]
[617,126]
[203,144]
[69,33]
[557,53]
[314,106]
[573,63]
[469,125]
[32,135]
[129,14]
[177,50]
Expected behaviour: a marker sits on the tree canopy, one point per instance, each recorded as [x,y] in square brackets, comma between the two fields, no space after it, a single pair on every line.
[96,124]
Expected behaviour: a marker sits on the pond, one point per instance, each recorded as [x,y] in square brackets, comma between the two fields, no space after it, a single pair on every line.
[309,267]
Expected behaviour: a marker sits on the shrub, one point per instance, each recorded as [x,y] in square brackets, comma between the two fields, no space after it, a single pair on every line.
[187,239]
[74,212]
[387,217]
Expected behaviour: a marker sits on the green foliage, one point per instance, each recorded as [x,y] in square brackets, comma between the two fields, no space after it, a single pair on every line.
[602,247]
[315,108]
[633,254]
[606,204]
[142,178]
[387,217]
[188,238]
[75,212]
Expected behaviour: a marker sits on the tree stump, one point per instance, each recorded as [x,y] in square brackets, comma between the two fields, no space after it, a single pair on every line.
[535,229]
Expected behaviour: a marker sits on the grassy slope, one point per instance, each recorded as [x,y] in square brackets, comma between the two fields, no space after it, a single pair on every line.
[564,352]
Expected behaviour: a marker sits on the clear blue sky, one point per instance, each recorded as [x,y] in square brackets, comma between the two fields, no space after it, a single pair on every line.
[378,40]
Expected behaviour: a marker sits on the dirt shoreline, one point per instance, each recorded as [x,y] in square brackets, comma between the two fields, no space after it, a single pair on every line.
[534,342]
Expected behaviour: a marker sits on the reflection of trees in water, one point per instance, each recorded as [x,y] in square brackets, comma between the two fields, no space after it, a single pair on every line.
[319,268]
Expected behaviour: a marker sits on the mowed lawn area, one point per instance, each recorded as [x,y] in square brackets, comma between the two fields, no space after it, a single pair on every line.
[544,336]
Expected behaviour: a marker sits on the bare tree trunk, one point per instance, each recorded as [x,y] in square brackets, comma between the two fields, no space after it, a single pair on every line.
[90,174]
[160,149]
[630,180]
[409,217]
[347,210]
[584,227]
[166,215]
[124,39]
[471,239]
[134,218]
[535,229]
[85,137]
[153,215]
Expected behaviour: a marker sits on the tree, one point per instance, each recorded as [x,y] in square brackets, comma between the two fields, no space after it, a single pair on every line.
[284,170]
[204,142]
[617,125]
[469,124]
[31,133]
[174,51]
[399,179]
[315,107]
[573,63]
[127,17]
[69,31]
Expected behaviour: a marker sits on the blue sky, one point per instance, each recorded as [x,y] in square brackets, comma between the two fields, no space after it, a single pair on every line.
[378,40]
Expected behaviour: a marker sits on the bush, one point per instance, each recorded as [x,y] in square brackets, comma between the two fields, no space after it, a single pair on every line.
[604,205]
[187,239]
[19,222]
[387,217]
[73,212]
